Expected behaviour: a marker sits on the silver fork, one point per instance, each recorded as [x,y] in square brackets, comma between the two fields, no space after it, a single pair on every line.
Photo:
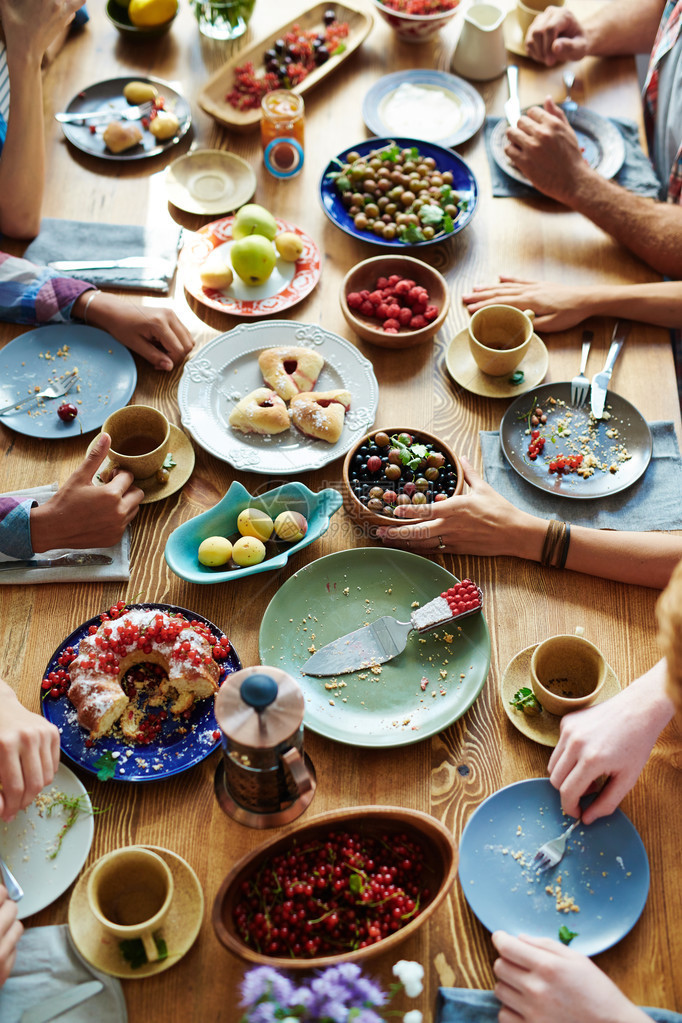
[569,104]
[580,385]
[14,889]
[124,114]
[57,390]
[552,852]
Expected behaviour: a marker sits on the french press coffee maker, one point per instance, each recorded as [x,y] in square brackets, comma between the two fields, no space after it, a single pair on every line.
[264,778]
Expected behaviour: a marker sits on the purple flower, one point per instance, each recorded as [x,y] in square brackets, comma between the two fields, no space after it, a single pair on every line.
[263,1013]
[266,981]
[367,1016]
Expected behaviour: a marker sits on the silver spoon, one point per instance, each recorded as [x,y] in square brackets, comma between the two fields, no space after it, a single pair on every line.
[14,889]
[569,104]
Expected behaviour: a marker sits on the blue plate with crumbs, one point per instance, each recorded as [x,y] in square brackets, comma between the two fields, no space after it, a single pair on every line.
[106,378]
[183,742]
[463,182]
[598,891]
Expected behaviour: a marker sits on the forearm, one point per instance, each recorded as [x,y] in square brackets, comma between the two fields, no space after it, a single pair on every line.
[652,230]
[658,303]
[628,26]
[22,167]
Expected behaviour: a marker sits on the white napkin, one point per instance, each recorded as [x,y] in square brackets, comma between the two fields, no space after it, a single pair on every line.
[47,964]
[119,569]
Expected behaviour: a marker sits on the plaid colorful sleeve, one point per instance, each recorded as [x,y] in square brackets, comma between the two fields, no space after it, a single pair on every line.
[36,294]
[15,527]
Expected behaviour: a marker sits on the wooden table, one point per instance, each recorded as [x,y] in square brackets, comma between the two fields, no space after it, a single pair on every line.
[525,603]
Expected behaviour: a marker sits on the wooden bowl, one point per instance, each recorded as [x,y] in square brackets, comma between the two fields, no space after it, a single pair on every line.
[440,863]
[360,511]
[414,28]
[364,275]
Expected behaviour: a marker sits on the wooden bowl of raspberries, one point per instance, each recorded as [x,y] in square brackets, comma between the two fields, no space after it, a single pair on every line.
[394,466]
[394,301]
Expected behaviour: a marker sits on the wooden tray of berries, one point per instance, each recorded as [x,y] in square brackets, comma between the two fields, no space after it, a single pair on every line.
[345,40]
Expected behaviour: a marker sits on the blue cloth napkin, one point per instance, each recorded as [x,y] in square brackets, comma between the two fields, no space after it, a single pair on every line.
[636,174]
[81,240]
[464,1005]
[653,502]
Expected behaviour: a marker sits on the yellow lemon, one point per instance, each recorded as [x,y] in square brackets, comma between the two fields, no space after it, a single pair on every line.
[148,13]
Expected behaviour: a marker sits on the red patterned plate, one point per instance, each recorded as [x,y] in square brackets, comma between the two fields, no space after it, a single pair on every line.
[287,284]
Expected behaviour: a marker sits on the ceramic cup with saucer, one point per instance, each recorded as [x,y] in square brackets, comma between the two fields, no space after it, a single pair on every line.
[499,337]
[543,727]
[181,924]
[567,673]
[180,452]
[140,435]
[464,371]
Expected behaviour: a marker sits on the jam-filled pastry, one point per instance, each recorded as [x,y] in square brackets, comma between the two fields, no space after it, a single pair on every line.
[262,411]
[320,414]
[290,370]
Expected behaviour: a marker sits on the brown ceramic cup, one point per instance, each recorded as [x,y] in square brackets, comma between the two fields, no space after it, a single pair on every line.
[130,892]
[140,436]
[567,673]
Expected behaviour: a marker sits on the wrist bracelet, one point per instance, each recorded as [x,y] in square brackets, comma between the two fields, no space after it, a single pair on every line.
[555,540]
[84,314]
[561,563]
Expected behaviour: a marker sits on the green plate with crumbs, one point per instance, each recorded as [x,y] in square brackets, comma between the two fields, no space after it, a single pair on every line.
[339,593]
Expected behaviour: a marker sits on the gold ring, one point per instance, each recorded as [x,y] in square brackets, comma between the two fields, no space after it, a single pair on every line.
[441,545]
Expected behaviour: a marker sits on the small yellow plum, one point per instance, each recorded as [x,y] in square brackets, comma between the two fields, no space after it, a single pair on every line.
[215,551]
[291,526]
[248,550]
[254,522]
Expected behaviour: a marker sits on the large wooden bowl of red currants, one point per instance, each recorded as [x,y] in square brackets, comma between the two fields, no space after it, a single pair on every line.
[347,885]
[394,301]
[392,467]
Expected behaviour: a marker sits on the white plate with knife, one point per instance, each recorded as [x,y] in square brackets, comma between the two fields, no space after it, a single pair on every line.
[43,853]
[620,443]
[106,378]
[419,692]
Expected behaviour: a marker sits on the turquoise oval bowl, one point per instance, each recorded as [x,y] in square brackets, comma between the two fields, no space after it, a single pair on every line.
[221,520]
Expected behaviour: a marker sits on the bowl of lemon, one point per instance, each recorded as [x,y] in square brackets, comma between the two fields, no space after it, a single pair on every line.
[140,19]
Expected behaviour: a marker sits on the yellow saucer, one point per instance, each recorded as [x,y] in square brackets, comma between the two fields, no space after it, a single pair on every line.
[179,930]
[464,371]
[183,453]
[209,181]
[544,727]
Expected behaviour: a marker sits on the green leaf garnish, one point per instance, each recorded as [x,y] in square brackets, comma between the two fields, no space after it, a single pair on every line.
[134,954]
[74,807]
[518,377]
[431,214]
[566,935]
[525,698]
[169,462]
[355,884]
[341,48]
[106,766]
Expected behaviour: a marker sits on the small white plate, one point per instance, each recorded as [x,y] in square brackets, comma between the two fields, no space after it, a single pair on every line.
[467,106]
[226,370]
[28,842]
[210,181]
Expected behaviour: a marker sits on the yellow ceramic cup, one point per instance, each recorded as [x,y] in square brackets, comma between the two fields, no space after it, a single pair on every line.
[567,673]
[528,12]
[499,336]
[130,892]
[140,436]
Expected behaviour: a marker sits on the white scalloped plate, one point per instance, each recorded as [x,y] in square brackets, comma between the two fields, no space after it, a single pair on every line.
[226,369]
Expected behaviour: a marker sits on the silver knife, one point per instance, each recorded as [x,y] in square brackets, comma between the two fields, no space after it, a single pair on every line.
[601,380]
[386,637]
[76,560]
[129,263]
[56,1005]
[512,107]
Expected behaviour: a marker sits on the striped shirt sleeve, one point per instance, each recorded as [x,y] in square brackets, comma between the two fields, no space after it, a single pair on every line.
[36,294]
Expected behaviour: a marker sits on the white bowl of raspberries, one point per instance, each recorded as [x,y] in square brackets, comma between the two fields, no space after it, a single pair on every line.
[394,301]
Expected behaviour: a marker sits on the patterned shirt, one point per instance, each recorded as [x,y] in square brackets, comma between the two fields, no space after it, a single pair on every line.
[36,294]
[668,33]
[15,528]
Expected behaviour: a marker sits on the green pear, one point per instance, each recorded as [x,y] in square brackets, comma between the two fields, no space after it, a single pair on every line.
[253,258]
[254,219]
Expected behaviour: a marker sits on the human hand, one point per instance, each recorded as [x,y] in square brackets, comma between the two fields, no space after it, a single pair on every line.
[612,739]
[31,25]
[81,514]
[541,981]
[11,930]
[556,306]
[556,36]
[544,147]
[155,334]
[477,522]
[29,754]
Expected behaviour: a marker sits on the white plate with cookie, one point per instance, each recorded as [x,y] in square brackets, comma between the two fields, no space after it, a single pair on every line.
[226,374]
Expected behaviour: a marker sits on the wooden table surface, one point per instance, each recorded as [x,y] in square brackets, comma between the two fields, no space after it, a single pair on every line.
[452,773]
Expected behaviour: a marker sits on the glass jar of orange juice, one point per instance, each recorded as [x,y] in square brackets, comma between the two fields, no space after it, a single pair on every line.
[281,129]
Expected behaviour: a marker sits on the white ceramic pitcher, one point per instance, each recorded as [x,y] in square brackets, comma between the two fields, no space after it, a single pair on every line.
[480,53]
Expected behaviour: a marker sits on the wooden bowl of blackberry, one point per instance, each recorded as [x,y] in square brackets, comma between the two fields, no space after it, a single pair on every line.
[394,466]
[394,301]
